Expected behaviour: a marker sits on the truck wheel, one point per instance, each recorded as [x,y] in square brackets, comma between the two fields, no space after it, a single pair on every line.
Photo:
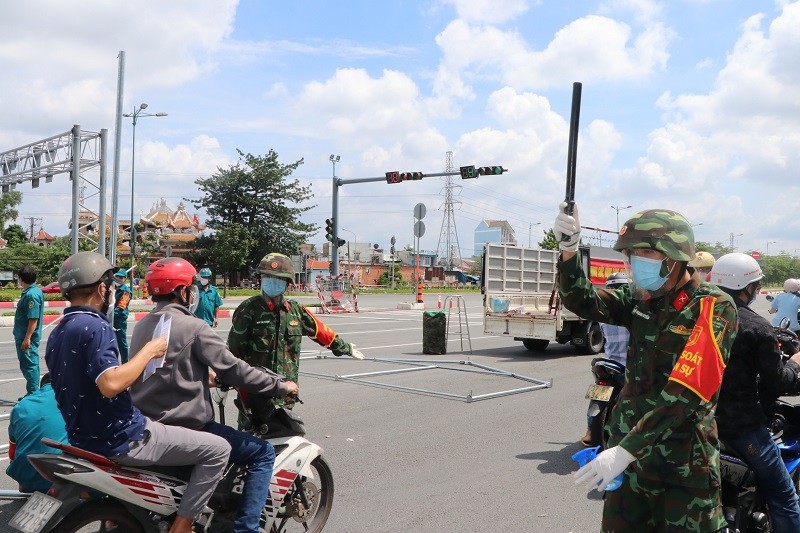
[594,341]
[535,345]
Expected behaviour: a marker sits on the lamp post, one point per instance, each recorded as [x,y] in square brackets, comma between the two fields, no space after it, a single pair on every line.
[137,112]
[530,227]
[334,211]
[766,252]
[733,236]
[618,209]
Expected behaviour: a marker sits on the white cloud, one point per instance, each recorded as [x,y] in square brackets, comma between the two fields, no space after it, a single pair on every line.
[488,11]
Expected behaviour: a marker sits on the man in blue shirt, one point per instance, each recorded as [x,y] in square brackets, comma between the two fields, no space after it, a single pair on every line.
[34,417]
[28,327]
[122,299]
[91,389]
[787,304]
[210,301]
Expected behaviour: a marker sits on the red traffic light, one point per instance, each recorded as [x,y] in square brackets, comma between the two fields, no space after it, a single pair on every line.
[393,177]
[411,176]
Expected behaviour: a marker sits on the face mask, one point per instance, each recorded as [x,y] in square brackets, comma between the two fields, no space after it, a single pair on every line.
[203,282]
[194,298]
[272,287]
[647,273]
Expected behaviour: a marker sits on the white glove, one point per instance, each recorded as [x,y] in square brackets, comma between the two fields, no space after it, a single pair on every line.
[604,468]
[567,228]
[355,354]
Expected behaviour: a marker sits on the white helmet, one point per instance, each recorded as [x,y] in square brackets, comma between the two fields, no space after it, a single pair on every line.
[735,271]
[791,285]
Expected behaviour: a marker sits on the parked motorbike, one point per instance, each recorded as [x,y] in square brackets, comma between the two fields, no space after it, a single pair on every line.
[91,490]
[609,378]
[743,504]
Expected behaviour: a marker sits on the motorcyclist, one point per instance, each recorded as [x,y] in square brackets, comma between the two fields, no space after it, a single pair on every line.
[662,433]
[702,263]
[787,304]
[267,329]
[756,358]
[178,391]
[91,388]
[616,343]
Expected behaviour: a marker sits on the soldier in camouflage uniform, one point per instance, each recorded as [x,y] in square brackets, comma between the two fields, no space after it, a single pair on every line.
[662,431]
[267,329]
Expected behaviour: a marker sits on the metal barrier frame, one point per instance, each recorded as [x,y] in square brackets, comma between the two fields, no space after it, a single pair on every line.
[415,365]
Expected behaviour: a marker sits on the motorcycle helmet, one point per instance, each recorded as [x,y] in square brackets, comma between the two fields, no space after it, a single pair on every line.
[83,270]
[702,260]
[277,266]
[205,272]
[735,271]
[617,279]
[166,275]
[791,285]
[658,229]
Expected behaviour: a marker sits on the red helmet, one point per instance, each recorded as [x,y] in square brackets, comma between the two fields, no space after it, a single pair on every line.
[166,275]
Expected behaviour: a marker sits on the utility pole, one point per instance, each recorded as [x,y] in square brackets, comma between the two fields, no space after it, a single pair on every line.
[450,253]
[33,220]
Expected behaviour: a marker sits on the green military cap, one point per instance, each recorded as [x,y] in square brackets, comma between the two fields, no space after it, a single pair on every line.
[277,265]
[658,229]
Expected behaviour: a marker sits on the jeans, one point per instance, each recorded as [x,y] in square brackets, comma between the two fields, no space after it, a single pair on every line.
[258,456]
[760,452]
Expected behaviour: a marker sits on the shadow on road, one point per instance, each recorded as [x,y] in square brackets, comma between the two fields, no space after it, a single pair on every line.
[559,462]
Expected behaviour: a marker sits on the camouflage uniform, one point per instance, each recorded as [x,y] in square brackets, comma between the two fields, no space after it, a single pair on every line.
[674,482]
[269,334]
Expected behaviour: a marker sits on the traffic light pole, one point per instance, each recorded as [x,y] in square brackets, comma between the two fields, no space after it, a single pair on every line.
[338,182]
[393,177]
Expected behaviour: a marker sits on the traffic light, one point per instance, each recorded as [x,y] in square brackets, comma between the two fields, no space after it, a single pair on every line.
[484,171]
[340,243]
[411,176]
[468,172]
[393,177]
[329,229]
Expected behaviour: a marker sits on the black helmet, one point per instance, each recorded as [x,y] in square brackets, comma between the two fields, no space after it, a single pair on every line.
[617,279]
[83,270]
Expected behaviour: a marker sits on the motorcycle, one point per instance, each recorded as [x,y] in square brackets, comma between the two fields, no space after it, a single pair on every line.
[92,490]
[742,502]
[609,378]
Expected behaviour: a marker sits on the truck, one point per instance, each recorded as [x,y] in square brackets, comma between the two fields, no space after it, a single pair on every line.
[6,277]
[519,300]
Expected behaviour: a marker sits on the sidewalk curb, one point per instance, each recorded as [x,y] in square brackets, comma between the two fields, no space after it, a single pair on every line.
[8,321]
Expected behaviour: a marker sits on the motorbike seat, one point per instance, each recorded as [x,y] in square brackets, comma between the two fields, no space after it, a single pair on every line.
[614,367]
[79,452]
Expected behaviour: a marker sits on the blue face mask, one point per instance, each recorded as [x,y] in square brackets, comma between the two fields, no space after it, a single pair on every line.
[273,287]
[647,273]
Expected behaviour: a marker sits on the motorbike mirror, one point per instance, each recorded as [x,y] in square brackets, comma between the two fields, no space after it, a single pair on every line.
[785,322]
[770,297]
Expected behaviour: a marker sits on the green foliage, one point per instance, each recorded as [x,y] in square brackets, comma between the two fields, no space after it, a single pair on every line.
[779,268]
[15,235]
[549,242]
[231,248]
[258,196]
[9,201]
[386,278]
[717,248]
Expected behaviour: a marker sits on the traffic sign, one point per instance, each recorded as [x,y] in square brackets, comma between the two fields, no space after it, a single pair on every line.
[755,254]
[419,211]
[419,228]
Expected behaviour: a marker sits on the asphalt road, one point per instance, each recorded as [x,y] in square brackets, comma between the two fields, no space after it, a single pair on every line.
[413,462]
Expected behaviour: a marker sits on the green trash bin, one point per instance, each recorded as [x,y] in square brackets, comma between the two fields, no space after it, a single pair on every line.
[434,332]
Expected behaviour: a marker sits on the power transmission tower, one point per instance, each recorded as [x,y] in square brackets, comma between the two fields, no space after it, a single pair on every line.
[448,250]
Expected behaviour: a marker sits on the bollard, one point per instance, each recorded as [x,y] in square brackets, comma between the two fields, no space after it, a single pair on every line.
[439,304]
[419,292]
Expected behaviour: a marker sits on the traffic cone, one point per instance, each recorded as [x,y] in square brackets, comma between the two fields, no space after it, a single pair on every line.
[439,305]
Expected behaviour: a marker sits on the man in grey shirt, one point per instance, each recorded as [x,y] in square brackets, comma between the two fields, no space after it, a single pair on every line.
[178,392]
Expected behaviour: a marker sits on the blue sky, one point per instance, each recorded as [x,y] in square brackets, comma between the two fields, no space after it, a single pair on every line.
[688,104]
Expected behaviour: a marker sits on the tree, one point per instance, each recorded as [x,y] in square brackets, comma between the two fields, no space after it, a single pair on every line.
[549,242]
[231,248]
[717,248]
[15,235]
[8,207]
[257,195]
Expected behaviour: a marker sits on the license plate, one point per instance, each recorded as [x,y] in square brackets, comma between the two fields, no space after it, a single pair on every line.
[599,392]
[35,514]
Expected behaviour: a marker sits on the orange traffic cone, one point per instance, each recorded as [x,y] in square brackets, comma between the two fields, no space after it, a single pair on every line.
[439,305]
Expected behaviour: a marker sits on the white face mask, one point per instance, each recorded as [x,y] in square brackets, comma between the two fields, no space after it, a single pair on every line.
[204,282]
[194,298]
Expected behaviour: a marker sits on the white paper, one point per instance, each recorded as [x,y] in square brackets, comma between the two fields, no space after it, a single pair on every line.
[162,330]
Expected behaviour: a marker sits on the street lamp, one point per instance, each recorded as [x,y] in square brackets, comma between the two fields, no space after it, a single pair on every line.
[137,112]
[530,227]
[766,252]
[733,236]
[618,209]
